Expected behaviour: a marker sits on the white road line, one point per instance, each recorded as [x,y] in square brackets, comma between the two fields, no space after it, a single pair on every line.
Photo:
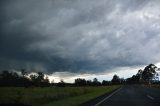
[150,97]
[108,97]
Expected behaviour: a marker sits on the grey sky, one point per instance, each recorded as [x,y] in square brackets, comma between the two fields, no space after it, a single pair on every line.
[78,35]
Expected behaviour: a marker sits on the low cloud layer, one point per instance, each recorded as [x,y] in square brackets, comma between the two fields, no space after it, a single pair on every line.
[78,36]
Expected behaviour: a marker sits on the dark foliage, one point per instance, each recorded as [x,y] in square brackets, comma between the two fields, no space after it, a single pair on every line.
[14,79]
[115,79]
[104,82]
[80,82]
[61,84]
[96,82]
[146,76]
[24,79]
[83,82]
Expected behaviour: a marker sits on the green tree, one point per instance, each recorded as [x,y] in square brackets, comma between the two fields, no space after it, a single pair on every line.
[149,73]
[80,82]
[23,73]
[96,82]
[40,77]
[61,83]
[115,79]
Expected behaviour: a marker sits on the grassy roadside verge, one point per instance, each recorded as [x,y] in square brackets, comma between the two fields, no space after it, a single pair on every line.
[77,100]
[52,96]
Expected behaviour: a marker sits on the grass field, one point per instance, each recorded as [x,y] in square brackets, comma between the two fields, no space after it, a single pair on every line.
[52,96]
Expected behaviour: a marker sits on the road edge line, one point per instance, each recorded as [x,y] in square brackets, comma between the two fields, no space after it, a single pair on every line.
[108,97]
[150,97]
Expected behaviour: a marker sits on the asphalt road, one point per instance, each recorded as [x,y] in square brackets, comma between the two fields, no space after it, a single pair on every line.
[129,95]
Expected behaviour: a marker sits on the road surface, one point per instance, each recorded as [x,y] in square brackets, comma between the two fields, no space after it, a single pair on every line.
[128,95]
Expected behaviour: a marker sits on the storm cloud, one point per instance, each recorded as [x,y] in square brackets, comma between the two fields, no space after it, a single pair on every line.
[78,35]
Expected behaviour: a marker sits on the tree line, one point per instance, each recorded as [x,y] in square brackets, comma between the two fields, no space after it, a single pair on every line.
[24,79]
[147,76]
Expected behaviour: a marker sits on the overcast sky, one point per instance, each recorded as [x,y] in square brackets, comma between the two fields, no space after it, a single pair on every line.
[79,36]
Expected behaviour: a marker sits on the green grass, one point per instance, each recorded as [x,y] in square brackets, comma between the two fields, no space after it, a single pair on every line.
[52,96]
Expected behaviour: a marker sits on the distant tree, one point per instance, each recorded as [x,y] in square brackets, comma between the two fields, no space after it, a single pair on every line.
[10,78]
[156,77]
[89,82]
[13,79]
[140,71]
[144,76]
[39,80]
[104,82]
[46,81]
[122,81]
[40,77]
[23,72]
[5,74]
[61,83]
[96,82]
[5,77]
[135,79]
[80,82]
[115,79]
[139,75]
[33,77]
[149,73]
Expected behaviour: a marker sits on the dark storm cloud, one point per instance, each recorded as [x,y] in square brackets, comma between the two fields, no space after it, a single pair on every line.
[78,36]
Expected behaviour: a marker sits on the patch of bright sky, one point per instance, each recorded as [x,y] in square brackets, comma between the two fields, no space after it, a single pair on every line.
[122,72]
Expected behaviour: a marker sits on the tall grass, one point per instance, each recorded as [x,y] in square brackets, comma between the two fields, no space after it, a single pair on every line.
[51,95]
